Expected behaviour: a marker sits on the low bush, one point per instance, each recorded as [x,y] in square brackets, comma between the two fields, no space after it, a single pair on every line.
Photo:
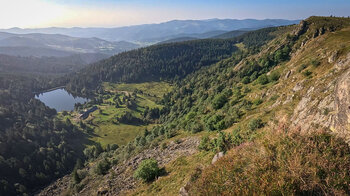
[315,63]
[255,124]
[307,73]
[102,167]
[148,170]
[263,79]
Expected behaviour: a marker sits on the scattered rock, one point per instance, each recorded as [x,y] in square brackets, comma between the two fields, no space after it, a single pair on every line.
[217,157]
[298,87]
[183,191]
[343,63]
[288,74]
[333,57]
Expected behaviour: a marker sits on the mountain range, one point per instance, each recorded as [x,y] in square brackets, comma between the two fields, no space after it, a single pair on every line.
[38,44]
[150,33]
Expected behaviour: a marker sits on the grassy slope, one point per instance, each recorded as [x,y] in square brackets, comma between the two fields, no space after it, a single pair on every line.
[274,110]
[107,132]
[271,110]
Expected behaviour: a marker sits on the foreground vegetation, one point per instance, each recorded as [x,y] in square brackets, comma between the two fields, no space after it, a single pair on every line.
[280,163]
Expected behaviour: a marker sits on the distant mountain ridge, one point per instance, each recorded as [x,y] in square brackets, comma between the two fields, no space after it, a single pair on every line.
[38,44]
[159,32]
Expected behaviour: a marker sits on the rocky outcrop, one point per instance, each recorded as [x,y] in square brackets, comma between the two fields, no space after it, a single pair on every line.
[326,105]
[341,118]
[301,29]
[217,157]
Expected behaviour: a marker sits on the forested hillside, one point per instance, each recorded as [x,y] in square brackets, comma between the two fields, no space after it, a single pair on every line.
[268,105]
[247,106]
[165,62]
[34,146]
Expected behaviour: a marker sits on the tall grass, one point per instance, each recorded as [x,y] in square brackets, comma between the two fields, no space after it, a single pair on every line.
[281,164]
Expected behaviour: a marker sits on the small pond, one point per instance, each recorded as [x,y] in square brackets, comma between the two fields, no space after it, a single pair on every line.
[60,100]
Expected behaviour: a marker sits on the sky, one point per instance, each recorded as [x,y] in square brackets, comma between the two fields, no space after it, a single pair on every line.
[115,13]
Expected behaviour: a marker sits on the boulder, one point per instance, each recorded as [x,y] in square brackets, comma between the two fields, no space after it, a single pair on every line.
[183,191]
[217,157]
[288,74]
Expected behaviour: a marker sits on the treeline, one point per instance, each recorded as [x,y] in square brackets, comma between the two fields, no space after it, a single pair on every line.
[154,63]
[45,65]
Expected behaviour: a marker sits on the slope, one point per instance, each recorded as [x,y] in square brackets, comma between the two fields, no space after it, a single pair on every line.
[279,100]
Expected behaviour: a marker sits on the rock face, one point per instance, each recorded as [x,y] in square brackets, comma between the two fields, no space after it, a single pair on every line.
[331,111]
[217,157]
[341,119]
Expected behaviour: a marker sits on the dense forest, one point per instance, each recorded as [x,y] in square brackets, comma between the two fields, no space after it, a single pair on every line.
[154,63]
[47,65]
[165,62]
[35,148]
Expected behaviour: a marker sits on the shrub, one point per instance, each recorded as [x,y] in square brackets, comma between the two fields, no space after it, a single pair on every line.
[257,101]
[204,144]
[75,176]
[263,79]
[147,171]
[245,80]
[301,67]
[237,139]
[102,167]
[211,122]
[195,127]
[274,97]
[190,115]
[315,63]
[255,124]
[274,76]
[219,101]
[307,73]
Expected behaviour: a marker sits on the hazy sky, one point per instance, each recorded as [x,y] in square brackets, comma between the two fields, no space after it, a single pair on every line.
[113,13]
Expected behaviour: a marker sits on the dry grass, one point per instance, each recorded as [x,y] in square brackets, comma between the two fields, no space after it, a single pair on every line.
[281,164]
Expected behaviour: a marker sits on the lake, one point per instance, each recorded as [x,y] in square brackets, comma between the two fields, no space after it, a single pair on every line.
[60,100]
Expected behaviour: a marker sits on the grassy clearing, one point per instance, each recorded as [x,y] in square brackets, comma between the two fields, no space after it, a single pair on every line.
[119,134]
[107,130]
[157,89]
[104,120]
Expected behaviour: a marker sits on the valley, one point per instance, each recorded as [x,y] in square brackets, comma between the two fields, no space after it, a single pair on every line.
[247,112]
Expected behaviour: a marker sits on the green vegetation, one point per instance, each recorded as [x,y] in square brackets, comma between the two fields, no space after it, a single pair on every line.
[255,124]
[148,170]
[35,147]
[102,167]
[125,111]
[163,62]
[230,96]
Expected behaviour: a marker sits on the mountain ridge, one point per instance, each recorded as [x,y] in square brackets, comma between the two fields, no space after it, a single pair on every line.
[149,32]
